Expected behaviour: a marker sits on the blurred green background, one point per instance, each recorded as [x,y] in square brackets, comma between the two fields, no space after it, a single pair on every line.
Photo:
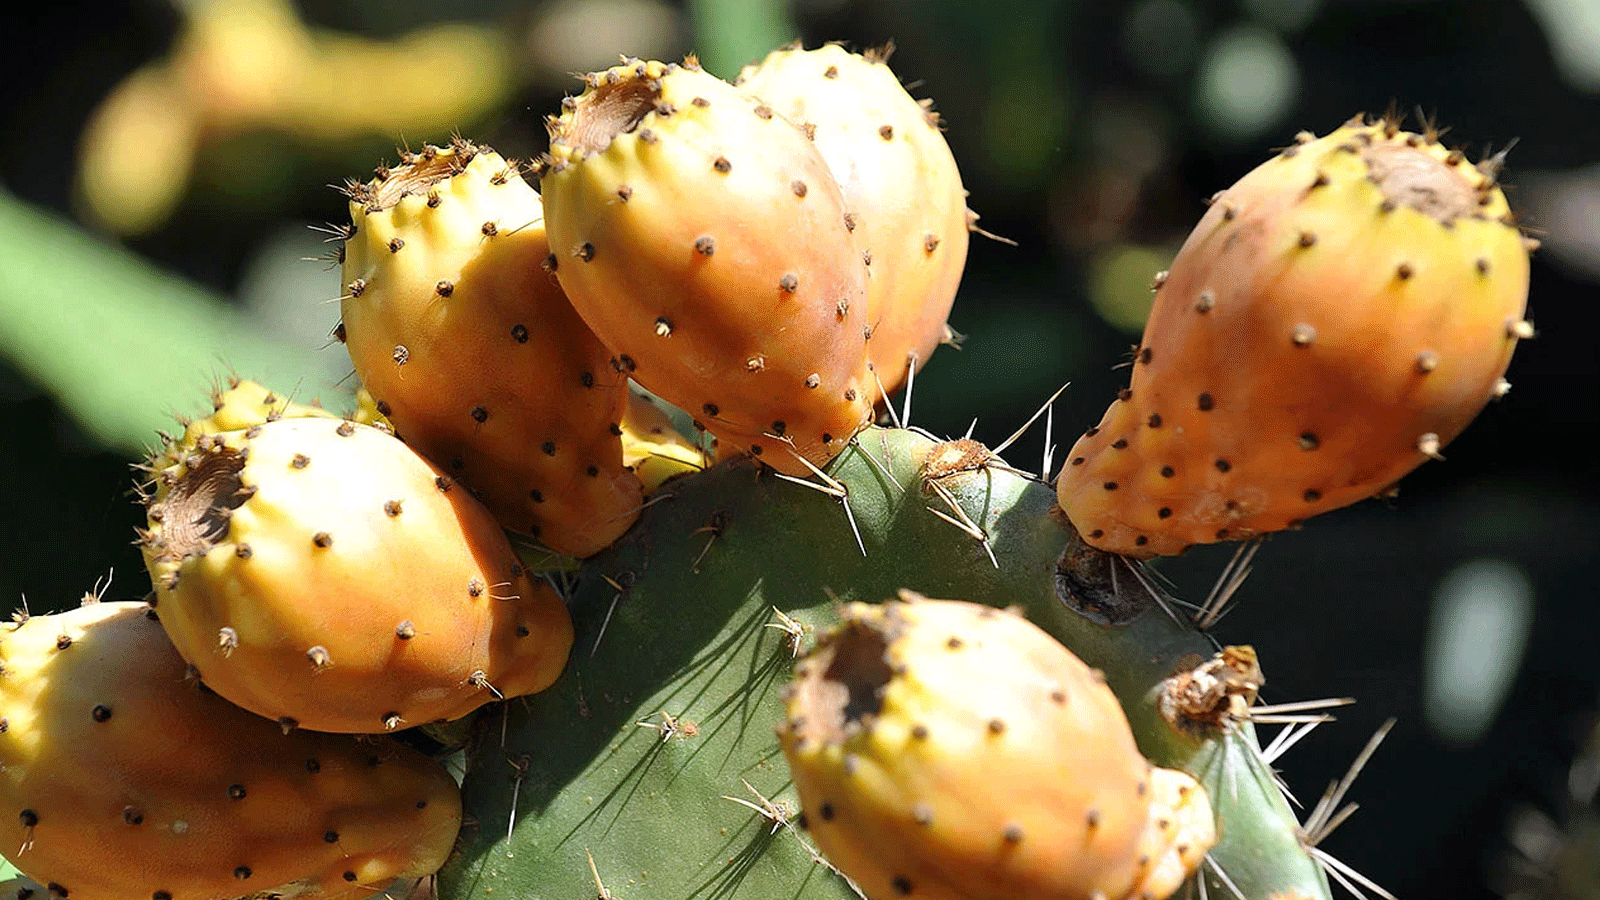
[166,162]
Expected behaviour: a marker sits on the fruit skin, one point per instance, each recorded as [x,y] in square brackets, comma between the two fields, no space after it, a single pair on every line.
[704,240]
[947,749]
[241,404]
[743,547]
[476,356]
[900,184]
[653,447]
[1337,316]
[322,574]
[140,783]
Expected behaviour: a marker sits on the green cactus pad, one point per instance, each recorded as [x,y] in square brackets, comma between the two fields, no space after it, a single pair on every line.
[689,620]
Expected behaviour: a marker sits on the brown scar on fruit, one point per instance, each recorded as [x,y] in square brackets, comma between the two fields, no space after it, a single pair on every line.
[196,511]
[1411,176]
[838,689]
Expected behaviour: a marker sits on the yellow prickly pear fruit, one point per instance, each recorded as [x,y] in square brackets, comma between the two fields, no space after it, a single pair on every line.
[241,404]
[123,779]
[367,411]
[703,238]
[653,447]
[1338,315]
[900,183]
[953,751]
[322,574]
[474,354]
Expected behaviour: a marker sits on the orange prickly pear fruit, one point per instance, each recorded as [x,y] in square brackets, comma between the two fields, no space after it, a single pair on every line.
[322,574]
[900,183]
[123,779]
[475,355]
[1338,315]
[953,751]
[704,240]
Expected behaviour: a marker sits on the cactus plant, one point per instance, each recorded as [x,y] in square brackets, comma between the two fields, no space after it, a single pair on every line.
[683,722]
[688,627]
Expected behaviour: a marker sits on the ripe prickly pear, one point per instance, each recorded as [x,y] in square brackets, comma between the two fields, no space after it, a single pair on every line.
[124,779]
[703,238]
[242,404]
[475,355]
[1336,317]
[900,183]
[946,749]
[653,447]
[323,574]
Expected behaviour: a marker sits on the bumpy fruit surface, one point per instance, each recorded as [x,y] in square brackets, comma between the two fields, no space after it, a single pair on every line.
[123,779]
[901,187]
[1336,317]
[945,749]
[322,574]
[241,404]
[475,355]
[703,238]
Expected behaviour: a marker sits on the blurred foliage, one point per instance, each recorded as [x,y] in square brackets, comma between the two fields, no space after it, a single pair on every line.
[122,362]
[1088,131]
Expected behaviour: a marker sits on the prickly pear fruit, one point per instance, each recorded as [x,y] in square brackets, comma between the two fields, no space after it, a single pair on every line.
[322,574]
[703,238]
[900,183]
[653,447]
[367,411]
[476,356]
[242,404]
[946,749]
[124,779]
[1337,316]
